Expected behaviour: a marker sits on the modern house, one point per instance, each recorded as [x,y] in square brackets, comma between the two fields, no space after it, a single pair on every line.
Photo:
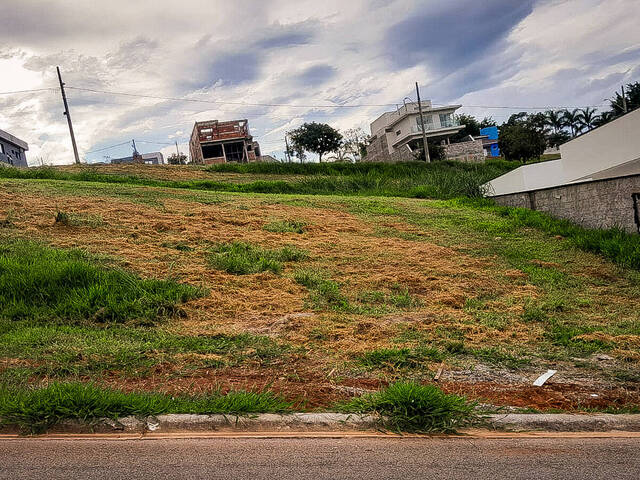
[12,150]
[153,158]
[221,142]
[596,183]
[396,135]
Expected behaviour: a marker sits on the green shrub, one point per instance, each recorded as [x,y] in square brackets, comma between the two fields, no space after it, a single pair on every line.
[44,284]
[241,258]
[416,408]
[38,409]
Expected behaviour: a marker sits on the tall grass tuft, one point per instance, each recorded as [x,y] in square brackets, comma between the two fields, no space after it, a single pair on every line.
[44,284]
[39,409]
[240,258]
[413,407]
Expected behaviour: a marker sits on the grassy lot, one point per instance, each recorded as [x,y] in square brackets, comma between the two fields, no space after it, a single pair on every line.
[314,298]
[413,179]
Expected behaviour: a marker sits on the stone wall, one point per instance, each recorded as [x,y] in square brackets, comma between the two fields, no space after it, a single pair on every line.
[596,204]
[378,151]
[470,152]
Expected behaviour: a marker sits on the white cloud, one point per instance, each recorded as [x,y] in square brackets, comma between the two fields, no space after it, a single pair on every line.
[298,53]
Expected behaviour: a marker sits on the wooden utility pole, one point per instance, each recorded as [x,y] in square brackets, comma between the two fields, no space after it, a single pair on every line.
[177,151]
[287,153]
[624,101]
[68,115]
[425,145]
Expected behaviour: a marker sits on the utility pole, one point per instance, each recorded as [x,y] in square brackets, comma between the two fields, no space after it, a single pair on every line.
[425,146]
[68,115]
[177,151]
[286,152]
[624,101]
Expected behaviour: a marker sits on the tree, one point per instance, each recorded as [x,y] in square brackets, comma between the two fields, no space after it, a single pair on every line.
[587,118]
[555,120]
[471,127]
[177,159]
[488,122]
[355,143]
[604,117]
[572,120]
[521,142]
[318,138]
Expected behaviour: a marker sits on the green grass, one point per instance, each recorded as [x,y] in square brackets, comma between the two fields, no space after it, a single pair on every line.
[324,294]
[399,358]
[44,284]
[416,408]
[241,258]
[40,408]
[78,220]
[412,179]
[616,245]
[285,226]
[71,350]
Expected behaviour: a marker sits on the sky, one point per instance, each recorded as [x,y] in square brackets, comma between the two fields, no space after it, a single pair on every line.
[280,63]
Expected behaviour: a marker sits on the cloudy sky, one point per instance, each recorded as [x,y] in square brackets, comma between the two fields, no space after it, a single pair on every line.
[304,58]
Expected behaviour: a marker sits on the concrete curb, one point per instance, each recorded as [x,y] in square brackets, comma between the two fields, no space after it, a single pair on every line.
[333,422]
[565,422]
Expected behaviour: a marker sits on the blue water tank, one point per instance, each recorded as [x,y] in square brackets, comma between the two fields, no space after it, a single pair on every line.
[490,132]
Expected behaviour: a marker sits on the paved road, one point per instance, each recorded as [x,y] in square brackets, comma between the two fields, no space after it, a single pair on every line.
[346,458]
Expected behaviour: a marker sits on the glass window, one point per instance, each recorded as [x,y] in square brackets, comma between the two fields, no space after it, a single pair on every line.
[428,119]
[446,120]
[1,148]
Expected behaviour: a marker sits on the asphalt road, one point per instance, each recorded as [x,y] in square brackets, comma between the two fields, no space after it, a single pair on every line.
[345,458]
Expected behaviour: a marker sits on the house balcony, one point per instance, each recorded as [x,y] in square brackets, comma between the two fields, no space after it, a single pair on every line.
[433,130]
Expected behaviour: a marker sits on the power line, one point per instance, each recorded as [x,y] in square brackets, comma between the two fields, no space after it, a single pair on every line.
[51,89]
[107,148]
[252,104]
[221,102]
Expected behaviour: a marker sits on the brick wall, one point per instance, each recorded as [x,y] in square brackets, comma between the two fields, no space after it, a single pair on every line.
[470,152]
[596,204]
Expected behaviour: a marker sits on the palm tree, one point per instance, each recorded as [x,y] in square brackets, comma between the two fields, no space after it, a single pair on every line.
[604,117]
[572,120]
[554,119]
[587,118]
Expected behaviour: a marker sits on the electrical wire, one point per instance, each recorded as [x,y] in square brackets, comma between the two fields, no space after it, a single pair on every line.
[108,148]
[51,89]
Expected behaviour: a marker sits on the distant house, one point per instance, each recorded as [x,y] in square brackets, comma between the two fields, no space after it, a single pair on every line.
[596,183]
[12,150]
[154,158]
[397,135]
[221,142]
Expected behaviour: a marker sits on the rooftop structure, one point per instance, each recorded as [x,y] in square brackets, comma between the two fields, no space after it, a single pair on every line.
[221,142]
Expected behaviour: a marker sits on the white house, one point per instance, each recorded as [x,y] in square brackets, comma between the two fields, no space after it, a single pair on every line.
[396,135]
[596,182]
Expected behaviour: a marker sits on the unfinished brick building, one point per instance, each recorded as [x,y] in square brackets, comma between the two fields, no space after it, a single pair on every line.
[221,142]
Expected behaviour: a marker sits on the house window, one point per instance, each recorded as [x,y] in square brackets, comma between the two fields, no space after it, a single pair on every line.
[428,119]
[398,132]
[446,120]
[1,148]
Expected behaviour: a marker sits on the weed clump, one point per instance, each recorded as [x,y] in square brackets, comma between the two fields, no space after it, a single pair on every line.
[240,258]
[413,407]
[45,284]
[324,293]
